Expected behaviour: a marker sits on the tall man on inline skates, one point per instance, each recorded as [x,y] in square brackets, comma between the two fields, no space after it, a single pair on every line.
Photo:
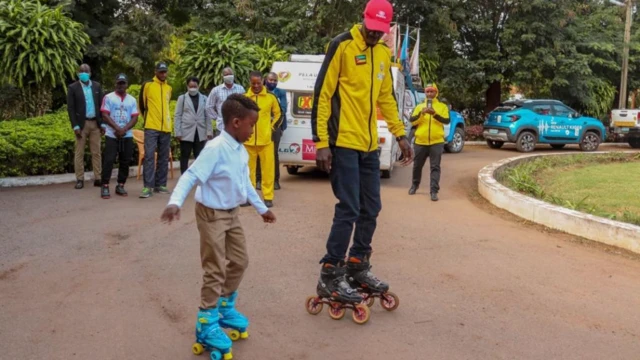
[355,77]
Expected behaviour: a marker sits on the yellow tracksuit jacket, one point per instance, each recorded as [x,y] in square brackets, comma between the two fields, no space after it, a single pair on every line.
[353,79]
[154,105]
[430,129]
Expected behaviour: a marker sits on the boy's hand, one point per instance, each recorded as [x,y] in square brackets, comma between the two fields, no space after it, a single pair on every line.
[269,217]
[171,212]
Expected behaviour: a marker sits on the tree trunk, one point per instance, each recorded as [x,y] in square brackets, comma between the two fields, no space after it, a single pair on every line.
[492,96]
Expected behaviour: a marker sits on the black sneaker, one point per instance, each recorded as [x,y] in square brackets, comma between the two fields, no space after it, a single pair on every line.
[121,191]
[268,203]
[276,186]
[104,193]
[79,184]
[434,196]
[334,286]
[359,275]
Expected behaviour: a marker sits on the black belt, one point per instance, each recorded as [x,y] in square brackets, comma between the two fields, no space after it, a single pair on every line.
[227,210]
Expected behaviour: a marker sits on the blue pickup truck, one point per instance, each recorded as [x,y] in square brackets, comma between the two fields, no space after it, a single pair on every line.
[454,140]
[530,122]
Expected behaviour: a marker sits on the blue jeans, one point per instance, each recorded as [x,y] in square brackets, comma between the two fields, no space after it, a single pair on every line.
[155,175]
[355,180]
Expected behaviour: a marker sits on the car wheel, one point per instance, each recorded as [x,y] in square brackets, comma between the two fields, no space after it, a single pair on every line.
[590,141]
[558,146]
[292,170]
[526,142]
[495,144]
[634,143]
[457,143]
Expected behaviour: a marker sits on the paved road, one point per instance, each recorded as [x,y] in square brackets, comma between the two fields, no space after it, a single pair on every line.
[85,278]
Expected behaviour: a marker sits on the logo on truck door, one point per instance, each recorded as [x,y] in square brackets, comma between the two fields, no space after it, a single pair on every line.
[284,76]
[308,150]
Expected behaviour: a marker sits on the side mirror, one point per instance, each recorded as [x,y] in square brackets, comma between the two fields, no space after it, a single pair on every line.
[575,115]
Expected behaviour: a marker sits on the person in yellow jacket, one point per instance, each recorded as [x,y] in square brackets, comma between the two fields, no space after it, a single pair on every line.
[154,101]
[430,118]
[355,79]
[260,144]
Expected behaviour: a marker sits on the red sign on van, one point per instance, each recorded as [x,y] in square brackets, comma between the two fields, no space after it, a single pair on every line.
[308,149]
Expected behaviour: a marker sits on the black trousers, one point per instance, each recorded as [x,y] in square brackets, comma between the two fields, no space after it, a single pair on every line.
[186,147]
[116,148]
[276,136]
[434,154]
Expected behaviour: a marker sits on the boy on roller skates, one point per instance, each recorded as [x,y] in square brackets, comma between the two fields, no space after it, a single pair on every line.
[222,175]
[355,77]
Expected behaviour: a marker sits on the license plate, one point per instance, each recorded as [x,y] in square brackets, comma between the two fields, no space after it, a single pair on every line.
[493,131]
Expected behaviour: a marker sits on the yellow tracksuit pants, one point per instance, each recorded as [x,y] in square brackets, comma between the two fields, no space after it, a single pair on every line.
[267,167]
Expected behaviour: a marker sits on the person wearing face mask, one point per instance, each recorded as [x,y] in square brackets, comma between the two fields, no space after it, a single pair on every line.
[271,82]
[219,94]
[192,125]
[354,79]
[83,105]
[260,144]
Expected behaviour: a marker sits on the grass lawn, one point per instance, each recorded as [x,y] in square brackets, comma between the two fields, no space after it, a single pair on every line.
[601,189]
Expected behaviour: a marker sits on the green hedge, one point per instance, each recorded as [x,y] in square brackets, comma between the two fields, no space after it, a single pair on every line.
[46,145]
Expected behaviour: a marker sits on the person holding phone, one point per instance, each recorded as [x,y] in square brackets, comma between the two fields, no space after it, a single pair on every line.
[429,118]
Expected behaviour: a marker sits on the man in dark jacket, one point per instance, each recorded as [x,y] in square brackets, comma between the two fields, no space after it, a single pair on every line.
[84,98]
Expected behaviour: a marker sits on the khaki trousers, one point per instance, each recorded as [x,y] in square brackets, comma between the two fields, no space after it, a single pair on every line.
[91,131]
[223,252]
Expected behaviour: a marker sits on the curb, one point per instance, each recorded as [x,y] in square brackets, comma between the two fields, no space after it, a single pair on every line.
[610,232]
[64,178]
[483,143]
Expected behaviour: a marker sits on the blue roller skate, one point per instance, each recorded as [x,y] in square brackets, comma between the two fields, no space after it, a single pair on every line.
[210,337]
[230,318]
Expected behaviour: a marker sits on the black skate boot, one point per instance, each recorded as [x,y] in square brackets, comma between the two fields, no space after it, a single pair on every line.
[359,276]
[333,285]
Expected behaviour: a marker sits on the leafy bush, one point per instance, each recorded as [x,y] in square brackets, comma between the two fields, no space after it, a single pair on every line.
[474,132]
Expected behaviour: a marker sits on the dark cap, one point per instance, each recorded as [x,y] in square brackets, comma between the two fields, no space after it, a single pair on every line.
[121,77]
[161,66]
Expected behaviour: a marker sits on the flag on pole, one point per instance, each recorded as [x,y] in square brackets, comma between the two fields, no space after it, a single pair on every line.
[414,63]
[391,38]
[404,51]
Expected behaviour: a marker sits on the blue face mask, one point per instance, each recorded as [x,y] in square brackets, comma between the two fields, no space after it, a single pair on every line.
[84,77]
[271,86]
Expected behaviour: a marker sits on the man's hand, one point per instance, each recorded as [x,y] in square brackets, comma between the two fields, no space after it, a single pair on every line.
[78,133]
[102,131]
[429,111]
[407,152]
[120,132]
[170,213]
[179,138]
[269,217]
[323,159]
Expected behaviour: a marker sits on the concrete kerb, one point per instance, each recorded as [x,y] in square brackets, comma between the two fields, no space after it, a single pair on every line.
[64,178]
[610,232]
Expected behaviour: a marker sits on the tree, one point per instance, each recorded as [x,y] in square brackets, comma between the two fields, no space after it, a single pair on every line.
[41,47]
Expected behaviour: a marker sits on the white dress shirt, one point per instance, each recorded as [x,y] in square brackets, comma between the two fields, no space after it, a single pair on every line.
[221,172]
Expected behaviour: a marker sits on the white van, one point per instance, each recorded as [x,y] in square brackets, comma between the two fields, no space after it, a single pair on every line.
[297,149]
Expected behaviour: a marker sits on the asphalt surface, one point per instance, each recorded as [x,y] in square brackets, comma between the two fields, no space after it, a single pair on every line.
[86,278]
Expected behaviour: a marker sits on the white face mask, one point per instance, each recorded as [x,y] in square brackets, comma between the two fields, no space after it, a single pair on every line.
[193,91]
[228,79]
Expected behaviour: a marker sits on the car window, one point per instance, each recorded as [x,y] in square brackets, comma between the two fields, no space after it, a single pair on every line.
[562,110]
[302,104]
[506,107]
[541,109]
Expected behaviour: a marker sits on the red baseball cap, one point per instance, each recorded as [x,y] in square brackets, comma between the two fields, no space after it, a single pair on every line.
[378,15]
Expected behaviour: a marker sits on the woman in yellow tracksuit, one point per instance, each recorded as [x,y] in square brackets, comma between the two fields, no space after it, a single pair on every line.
[260,143]
[430,118]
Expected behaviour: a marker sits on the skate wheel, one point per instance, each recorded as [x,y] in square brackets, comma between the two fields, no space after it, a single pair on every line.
[313,305]
[389,301]
[244,335]
[361,314]
[216,355]
[336,311]
[197,349]
[369,300]
[234,335]
[228,356]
